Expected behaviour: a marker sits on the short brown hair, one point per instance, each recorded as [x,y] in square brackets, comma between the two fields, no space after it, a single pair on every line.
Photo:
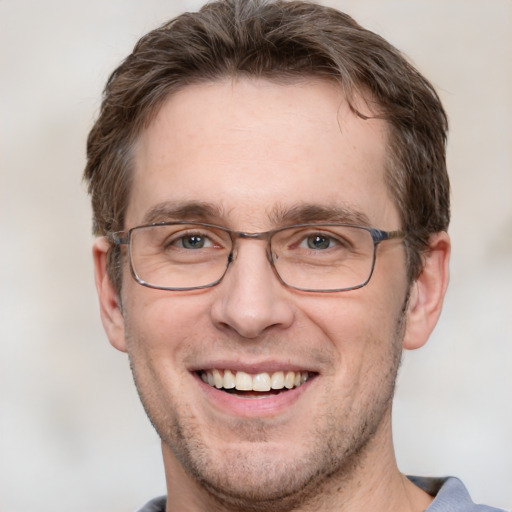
[276,40]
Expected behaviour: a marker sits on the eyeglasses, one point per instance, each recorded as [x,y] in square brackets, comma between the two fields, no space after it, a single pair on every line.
[309,257]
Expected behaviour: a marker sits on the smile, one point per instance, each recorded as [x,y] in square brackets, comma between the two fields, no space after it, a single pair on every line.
[242,381]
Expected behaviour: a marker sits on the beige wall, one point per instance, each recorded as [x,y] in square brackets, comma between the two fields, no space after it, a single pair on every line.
[72,433]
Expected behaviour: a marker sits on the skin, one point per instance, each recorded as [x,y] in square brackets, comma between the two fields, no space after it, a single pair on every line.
[256,152]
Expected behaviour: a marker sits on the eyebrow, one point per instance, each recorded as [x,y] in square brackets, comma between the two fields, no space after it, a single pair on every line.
[305,213]
[182,210]
[280,215]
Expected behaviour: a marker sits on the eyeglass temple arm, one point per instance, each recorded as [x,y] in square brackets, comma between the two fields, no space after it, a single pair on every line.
[380,236]
[118,238]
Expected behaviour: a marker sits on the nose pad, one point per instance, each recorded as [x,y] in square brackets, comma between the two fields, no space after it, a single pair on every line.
[250,299]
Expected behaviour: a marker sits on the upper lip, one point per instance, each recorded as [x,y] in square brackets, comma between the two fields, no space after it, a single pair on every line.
[269,366]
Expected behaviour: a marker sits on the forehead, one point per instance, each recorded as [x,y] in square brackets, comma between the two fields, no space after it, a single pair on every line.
[250,148]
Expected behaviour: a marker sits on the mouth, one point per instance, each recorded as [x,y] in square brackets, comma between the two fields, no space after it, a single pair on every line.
[245,383]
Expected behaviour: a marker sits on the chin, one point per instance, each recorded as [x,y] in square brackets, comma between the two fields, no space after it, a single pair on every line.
[251,482]
[269,476]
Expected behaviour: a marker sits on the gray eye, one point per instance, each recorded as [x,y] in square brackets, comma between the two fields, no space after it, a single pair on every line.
[193,242]
[318,242]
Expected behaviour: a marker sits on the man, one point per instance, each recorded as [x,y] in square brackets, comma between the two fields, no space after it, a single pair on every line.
[269,187]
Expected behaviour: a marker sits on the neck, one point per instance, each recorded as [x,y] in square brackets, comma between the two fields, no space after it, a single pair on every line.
[373,484]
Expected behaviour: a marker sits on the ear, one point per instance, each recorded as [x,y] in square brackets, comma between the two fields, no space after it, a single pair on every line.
[427,292]
[110,301]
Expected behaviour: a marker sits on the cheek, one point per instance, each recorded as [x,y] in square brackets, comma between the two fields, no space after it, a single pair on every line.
[362,328]
[162,325]
[157,336]
[355,314]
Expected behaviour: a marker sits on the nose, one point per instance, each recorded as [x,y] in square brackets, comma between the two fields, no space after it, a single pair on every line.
[250,299]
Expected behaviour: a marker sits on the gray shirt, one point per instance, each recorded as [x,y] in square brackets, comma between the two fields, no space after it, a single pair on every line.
[450,495]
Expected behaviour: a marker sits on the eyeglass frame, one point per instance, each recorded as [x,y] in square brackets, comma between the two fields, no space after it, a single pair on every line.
[378,236]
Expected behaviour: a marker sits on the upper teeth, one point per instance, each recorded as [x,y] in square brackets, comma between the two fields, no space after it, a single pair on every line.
[243,381]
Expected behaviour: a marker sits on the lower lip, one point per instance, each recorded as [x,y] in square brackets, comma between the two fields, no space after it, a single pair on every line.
[253,406]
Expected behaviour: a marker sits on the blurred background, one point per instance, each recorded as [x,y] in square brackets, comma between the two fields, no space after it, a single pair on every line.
[73,435]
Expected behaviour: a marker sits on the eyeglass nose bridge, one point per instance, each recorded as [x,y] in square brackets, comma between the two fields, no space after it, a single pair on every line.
[263,235]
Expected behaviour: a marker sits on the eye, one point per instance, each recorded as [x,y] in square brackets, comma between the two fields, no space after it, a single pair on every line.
[192,241]
[318,241]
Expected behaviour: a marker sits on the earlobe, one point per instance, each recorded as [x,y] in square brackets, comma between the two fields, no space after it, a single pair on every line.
[427,292]
[110,303]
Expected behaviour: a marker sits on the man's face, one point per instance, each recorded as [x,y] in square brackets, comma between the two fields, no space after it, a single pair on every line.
[253,155]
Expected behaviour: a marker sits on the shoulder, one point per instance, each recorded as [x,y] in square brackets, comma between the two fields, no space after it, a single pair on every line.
[155,505]
[450,495]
